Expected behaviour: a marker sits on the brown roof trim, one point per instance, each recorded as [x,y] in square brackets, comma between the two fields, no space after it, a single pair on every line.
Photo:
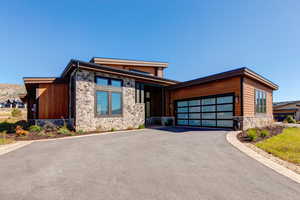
[228,74]
[115,61]
[102,68]
[32,80]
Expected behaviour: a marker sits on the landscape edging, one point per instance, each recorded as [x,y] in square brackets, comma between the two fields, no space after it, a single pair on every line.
[232,139]
[19,144]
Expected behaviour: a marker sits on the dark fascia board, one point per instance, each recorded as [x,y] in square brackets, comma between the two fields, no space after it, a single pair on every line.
[81,64]
[286,109]
[228,74]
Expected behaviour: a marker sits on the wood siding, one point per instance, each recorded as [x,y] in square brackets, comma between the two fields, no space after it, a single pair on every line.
[230,85]
[249,87]
[52,101]
[151,70]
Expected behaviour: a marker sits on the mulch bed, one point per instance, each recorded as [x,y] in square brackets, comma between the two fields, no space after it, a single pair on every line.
[273,130]
[51,135]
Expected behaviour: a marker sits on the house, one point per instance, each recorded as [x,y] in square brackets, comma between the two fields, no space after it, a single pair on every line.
[283,109]
[115,93]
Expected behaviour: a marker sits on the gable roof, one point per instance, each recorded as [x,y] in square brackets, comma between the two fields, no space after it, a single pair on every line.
[228,74]
[116,61]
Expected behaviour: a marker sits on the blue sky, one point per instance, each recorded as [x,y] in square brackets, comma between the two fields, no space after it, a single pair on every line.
[197,38]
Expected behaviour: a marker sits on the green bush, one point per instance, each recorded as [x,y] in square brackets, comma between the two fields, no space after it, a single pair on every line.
[63,130]
[80,132]
[252,134]
[112,129]
[290,119]
[16,112]
[142,126]
[35,128]
[264,133]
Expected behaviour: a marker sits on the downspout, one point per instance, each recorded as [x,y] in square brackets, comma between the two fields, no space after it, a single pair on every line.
[71,96]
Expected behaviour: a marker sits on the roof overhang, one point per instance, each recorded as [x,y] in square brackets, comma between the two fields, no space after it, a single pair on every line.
[77,64]
[37,80]
[113,61]
[244,72]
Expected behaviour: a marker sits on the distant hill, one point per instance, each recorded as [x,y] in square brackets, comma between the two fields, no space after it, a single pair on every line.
[10,91]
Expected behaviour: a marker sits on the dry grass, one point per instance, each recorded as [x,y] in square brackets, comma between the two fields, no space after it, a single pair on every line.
[285,145]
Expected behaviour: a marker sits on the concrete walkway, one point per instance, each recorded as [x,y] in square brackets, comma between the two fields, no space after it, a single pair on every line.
[146,164]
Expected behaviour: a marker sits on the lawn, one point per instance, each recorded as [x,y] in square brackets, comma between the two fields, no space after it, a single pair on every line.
[6,141]
[285,145]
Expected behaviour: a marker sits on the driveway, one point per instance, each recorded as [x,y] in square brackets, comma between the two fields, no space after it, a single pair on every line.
[147,164]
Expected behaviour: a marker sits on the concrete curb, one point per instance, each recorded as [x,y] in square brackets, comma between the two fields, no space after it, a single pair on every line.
[232,139]
[14,146]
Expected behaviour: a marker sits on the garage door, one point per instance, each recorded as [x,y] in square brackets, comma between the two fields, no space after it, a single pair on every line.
[210,111]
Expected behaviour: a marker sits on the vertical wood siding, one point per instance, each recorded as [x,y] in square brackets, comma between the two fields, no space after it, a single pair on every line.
[249,87]
[53,101]
[230,85]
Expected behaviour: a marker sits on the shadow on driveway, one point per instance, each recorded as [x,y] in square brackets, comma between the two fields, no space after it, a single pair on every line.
[180,129]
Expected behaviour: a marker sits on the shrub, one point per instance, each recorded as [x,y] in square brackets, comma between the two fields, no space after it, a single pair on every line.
[264,133]
[63,130]
[130,128]
[80,132]
[35,128]
[112,129]
[290,119]
[50,127]
[142,126]
[50,134]
[16,112]
[252,134]
[21,132]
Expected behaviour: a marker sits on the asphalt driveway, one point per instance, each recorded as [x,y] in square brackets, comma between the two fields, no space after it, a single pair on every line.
[147,164]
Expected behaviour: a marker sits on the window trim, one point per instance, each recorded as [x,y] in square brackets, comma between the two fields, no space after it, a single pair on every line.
[109,81]
[109,104]
[261,105]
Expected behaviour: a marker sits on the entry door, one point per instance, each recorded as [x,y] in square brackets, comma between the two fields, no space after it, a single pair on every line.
[210,111]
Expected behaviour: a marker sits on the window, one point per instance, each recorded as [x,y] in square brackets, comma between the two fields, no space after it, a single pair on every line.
[260,101]
[139,72]
[103,81]
[139,92]
[116,103]
[102,103]
[108,103]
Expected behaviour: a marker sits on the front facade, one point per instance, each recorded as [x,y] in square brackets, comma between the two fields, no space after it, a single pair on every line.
[106,94]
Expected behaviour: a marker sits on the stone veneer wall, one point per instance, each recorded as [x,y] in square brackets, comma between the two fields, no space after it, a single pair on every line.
[254,122]
[86,119]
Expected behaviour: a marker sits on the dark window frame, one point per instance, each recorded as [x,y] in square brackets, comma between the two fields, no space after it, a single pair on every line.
[139,92]
[260,103]
[109,81]
[109,89]
[109,100]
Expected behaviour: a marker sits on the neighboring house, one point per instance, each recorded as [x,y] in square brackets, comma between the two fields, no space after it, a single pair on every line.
[114,93]
[283,109]
[12,103]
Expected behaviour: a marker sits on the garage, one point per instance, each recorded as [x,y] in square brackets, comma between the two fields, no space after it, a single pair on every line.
[208,111]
